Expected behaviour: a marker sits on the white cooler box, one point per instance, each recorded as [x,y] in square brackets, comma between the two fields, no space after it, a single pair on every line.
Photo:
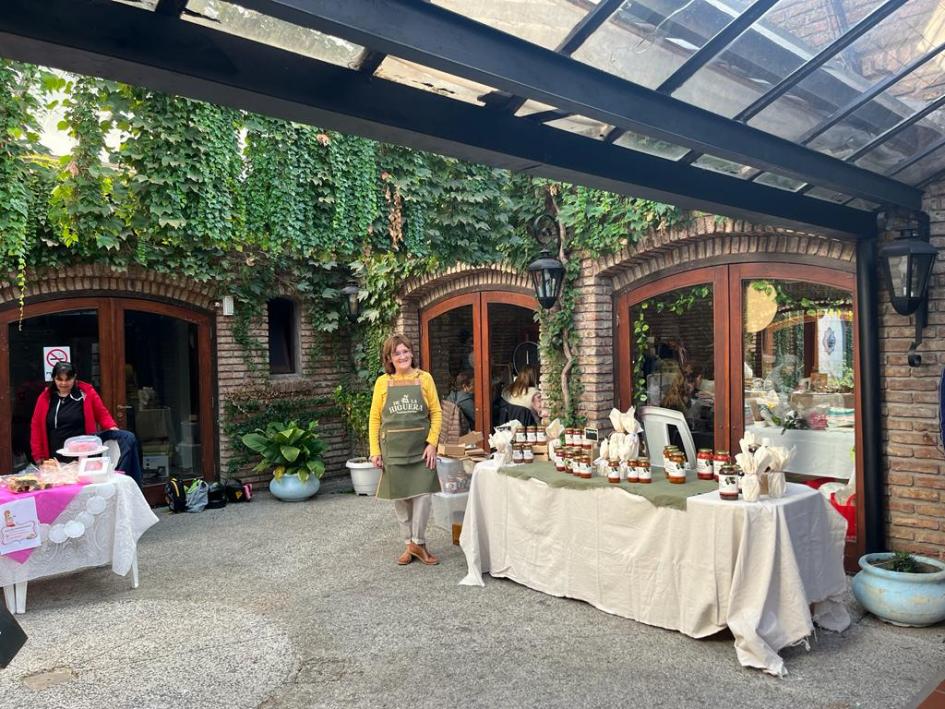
[453,476]
[449,509]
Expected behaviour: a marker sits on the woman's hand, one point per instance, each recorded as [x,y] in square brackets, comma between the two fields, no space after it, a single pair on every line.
[429,455]
[377,461]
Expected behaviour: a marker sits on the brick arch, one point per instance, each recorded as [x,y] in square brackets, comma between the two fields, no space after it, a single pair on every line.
[95,278]
[706,241]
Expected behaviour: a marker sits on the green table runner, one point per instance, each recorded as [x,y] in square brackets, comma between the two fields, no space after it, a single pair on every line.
[660,492]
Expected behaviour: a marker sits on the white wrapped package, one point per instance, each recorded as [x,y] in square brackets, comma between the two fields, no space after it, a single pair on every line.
[751,487]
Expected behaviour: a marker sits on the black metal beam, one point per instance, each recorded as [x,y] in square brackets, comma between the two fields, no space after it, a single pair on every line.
[715,46]
[870,392]
[821,58]
[170,8]
[897,129]
[124,44]
[868,96]
[369,62]
[434,37]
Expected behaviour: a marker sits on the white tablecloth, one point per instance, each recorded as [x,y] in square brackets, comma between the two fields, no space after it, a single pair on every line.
[109,535]
[822,453]
[754,568]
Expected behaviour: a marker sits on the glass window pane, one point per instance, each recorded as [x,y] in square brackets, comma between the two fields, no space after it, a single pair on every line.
[513,356]
[863,204]
[653,146]
[726,167]
[779,181]
[530,107]
[542,22]
[924,168]
[885,49]
[798,367]
[786,37]
[76,330]
[672,351]
[452,353]
[828,195]
[581,125]
[914,139]
[432,80]
[143,4]
[242,22]
[645,42]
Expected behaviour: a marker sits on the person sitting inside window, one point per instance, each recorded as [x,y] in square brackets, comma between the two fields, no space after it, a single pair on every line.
[462,396]
[517,401]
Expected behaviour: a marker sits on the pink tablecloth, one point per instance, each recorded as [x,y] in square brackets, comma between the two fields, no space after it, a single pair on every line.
[49,505]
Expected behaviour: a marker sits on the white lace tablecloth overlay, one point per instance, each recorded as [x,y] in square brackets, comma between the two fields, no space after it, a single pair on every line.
[754,568]
[101,525]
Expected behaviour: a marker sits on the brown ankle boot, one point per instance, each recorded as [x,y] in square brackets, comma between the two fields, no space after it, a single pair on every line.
[420,551]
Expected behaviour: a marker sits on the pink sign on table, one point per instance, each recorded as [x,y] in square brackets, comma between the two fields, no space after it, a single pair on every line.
[49,505]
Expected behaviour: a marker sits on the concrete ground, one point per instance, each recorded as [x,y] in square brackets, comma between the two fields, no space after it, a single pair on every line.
[272,604]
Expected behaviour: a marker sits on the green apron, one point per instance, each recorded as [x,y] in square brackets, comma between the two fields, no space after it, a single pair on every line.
[405,424]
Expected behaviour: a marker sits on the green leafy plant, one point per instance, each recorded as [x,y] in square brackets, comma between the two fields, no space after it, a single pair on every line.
[355,406]
[901,561]
[288,449]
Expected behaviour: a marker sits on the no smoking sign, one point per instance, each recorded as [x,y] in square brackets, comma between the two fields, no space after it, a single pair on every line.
[52,356]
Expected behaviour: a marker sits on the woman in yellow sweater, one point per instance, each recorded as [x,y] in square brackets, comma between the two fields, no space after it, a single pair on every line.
[403,431]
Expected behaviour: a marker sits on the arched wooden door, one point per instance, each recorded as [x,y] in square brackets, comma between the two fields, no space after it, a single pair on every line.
[150,361]
[479,333]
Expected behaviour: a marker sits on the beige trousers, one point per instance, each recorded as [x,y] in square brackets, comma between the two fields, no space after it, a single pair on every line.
[413,513]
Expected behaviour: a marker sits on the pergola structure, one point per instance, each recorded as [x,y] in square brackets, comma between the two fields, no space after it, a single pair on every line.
[811,114]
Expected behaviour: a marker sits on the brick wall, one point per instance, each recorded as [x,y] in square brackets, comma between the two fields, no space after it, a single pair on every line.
[914,460]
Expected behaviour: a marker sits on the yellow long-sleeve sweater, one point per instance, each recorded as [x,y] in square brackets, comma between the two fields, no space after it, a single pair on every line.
[427,386]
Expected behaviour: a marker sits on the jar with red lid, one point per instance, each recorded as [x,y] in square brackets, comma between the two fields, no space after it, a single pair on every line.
[704,460]
[718,460]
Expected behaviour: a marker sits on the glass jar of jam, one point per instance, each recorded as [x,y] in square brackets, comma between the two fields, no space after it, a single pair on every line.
[630,470]
[518,454]
[718,460]
[613,472]
[569,436]
[521,435]
[704,464]
[528,455]
[644,474]
[531,434]
[728,481]
[541,436]
[560,465]
[587,469]
[676,473]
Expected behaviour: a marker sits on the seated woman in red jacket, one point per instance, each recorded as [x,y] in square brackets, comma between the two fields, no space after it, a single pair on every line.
[70,408]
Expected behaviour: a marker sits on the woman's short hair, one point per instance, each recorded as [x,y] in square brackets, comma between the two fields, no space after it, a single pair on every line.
[62,369]
[387,352]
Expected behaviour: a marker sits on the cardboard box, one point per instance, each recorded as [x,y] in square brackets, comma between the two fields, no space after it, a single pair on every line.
[466,445]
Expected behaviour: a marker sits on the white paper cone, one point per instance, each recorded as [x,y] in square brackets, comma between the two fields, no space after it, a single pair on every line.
[776,485]
[751,488]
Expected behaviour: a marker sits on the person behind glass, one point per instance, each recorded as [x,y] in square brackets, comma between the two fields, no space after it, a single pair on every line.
[519,397]
[404,428]
[69,407]
[462,396]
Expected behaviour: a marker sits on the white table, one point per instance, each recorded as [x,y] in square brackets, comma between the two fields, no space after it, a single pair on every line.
[113,515]
[823,453]
[754,568]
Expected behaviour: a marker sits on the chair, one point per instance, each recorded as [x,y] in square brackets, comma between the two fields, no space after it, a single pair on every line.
[656,422]
[114,453]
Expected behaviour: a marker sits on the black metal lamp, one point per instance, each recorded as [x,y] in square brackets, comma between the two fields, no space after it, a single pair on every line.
[352,302]
[907,269]
[546,271]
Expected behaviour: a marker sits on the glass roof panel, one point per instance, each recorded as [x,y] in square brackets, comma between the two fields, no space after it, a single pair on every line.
[862,204]
[542,22]
[828,195]
[872,119]
[926,167]
[914,139]
[645,41]
[904,36]
[427,79]
[786,37]
[143,4]
[530,107]
[726,167]
[236,20]
[651,146]
[779,181]
[588,127]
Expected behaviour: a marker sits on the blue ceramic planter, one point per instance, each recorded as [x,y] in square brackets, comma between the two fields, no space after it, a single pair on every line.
[899,598]
[290,489]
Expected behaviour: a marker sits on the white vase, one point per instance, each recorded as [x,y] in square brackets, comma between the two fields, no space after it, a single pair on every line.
[364,476]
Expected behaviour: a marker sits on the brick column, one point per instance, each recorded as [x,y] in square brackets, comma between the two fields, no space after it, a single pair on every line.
[593,320]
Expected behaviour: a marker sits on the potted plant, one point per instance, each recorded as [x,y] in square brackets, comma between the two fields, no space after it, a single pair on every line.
[355,405]
[901,589]
[293,454]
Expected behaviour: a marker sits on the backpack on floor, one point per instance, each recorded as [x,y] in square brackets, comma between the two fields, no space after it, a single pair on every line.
[216,496]
[176,495]
[238,491]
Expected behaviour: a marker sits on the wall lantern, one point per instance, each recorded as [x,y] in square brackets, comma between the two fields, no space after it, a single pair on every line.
[546,271]
[907,269]
[352,302]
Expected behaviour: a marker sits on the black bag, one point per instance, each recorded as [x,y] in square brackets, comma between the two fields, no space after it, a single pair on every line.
[176,495]
[216,496]
[12,637]
[238,491]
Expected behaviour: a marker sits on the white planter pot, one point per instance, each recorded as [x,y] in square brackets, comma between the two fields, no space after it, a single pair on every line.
[364,476]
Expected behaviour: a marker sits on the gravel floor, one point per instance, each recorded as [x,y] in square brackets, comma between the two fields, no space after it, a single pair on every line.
[302,605]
